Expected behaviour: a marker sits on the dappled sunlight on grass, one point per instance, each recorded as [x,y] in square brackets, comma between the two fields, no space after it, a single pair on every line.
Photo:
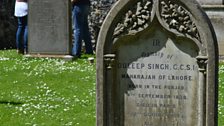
[44,91]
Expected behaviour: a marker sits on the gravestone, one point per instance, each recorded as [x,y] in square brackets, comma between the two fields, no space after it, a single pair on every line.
[216,15]
[157,65]
[211,2]
[49,27]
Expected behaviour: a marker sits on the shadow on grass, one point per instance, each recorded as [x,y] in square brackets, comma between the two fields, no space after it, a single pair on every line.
[11,103]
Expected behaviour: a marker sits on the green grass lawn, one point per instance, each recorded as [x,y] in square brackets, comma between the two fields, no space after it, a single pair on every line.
[221,94]
[51,92]
[46,92]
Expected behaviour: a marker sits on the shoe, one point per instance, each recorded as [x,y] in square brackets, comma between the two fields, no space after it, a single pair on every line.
[19,51]
[25,52]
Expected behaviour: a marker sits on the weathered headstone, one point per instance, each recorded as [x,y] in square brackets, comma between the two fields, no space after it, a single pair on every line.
[216,15]
[49,27]
[157,65]
[211,2]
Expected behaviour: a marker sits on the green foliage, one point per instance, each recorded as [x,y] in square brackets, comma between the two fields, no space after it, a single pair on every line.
[46,92]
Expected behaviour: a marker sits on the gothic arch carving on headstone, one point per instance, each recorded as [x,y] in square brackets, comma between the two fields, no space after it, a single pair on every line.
[135,26]
[173,16]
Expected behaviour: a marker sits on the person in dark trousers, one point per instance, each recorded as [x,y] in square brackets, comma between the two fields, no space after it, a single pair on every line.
[80,13]
[21,12]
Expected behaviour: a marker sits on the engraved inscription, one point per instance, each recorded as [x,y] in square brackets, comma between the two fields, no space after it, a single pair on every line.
[157,82]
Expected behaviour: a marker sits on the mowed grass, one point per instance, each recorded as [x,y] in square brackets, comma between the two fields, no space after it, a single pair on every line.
[52,92]
[46,92]
[221,95]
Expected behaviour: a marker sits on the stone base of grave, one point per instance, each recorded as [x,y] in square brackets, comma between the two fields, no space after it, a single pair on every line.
[64,57]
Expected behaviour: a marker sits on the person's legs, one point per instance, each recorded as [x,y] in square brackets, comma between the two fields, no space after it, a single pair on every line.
[19,34]
[25,36]
[78,30]
[87,36]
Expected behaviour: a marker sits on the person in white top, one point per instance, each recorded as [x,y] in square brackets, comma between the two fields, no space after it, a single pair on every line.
[21,12]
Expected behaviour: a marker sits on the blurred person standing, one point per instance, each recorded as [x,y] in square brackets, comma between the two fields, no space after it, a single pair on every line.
[21,12]
[80,13]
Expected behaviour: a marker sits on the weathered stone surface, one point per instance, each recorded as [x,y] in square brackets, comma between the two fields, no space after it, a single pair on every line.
[156,60]
[210,2]
[214,13]
[49,27]
[156,80]
[216,16]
